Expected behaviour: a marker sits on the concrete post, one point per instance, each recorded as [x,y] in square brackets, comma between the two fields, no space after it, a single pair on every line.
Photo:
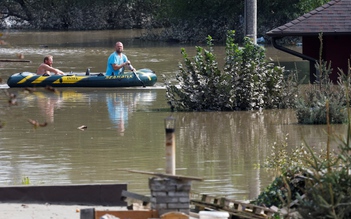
[170,146]
[250,25]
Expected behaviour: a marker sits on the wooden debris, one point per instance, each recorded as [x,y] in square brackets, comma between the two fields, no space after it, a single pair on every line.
[14,60]
[166,175]
[2,124]
[36,124]
[135,201]
[29,89]
[128,214]
[12,98]
[20,55]
[82,127]
[52,89]
[12,101]
[233,207]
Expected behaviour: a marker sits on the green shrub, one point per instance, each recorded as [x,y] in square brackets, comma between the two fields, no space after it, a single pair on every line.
[328,183]
[313,98]
[288,168]
[248,81]
[325,190]
[281,191]
[25,180]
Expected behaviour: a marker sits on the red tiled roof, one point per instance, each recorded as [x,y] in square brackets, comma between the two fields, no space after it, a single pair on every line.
[333,17]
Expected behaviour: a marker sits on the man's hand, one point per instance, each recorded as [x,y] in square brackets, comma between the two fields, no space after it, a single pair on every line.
[127,63]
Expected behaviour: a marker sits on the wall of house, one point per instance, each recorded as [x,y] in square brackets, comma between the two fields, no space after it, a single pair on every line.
[336,49]
[310,47]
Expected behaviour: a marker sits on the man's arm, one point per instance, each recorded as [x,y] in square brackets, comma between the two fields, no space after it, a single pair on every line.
[54,70]
[116,67]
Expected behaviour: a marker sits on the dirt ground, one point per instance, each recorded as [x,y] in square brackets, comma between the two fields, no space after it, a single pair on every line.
[45,211]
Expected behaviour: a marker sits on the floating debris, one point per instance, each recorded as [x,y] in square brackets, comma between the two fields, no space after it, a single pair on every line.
[29,89]
[52,89]
[20,55]
[36,124]
[82,127]
[2,124]
[12,102]
[12,98]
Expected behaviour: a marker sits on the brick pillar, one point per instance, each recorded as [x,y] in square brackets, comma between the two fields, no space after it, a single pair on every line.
[170,194]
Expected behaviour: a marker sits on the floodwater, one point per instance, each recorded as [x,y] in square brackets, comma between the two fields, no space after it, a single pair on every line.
[125,127]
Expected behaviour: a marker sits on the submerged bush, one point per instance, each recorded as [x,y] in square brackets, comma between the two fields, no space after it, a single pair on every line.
[247,82]
[318,182]
[313,99]
[328,183]
[288,169]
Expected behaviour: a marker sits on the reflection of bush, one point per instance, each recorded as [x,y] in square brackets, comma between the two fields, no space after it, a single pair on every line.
[243,132]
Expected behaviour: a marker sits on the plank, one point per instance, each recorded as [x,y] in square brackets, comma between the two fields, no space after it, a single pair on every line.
[166,175]
[86,194]
[14,60]
[143,198]
[233,207]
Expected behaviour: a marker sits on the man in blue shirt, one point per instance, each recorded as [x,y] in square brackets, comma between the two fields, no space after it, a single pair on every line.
[117,61]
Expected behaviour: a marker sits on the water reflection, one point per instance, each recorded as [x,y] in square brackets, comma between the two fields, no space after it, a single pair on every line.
[48,105]
[121,104]
[118,112]
[229,145]
[48,101]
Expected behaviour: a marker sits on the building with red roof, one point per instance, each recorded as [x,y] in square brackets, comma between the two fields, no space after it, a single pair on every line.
[333,20]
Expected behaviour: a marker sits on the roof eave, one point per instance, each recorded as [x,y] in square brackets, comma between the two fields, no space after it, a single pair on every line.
[284,34]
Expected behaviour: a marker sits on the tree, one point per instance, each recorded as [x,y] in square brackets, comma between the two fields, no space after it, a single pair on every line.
[78,14]
[183,20]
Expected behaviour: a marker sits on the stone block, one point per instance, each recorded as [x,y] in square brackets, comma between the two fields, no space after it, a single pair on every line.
[167,199]
[184,199]
[161,206]
[156,194]
[179,194]
[178,205]
[183,187]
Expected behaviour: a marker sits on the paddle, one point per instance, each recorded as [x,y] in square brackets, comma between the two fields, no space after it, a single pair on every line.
[136,75]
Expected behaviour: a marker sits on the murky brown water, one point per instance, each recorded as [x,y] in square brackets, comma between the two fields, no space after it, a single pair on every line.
[126,126]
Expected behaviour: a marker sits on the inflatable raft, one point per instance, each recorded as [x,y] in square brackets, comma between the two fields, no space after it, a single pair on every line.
[142,77]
